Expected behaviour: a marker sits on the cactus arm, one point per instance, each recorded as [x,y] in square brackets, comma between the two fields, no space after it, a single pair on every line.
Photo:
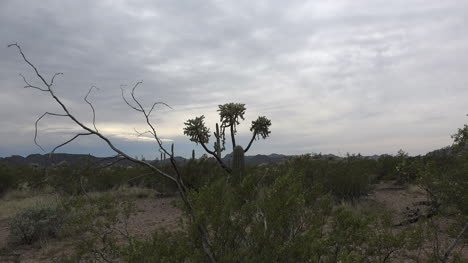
[218,147]
[251,141]
[223,165]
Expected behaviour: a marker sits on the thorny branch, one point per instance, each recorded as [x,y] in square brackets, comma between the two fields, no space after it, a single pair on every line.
[89,131]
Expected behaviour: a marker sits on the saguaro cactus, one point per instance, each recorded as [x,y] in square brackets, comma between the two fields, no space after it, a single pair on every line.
[238,163]
[193,154]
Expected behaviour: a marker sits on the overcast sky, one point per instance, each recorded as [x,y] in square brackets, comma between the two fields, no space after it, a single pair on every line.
[359,76]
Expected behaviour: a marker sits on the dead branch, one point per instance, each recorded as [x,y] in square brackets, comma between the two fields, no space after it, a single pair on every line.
[37,122]
[69,141]
[91,105]
[90,131]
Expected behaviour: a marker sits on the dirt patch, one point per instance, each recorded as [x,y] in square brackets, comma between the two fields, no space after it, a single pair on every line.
[400,200]
[152,214]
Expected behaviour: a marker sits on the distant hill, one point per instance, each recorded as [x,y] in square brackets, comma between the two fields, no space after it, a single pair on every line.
[260,158]
[87,159]
[43,160]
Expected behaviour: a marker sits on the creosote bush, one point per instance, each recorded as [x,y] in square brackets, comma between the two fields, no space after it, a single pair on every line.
[40,221]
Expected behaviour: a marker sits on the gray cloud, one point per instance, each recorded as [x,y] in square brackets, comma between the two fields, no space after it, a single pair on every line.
[335,76]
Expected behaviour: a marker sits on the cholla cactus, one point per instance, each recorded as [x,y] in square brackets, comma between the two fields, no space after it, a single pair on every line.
[197,131]
[260,127]
[229,113]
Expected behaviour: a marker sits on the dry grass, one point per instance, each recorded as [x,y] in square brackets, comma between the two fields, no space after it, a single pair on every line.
[15,201]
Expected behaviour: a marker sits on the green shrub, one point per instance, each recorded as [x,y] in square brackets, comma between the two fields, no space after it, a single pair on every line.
[104,219]
[346,178]
[160,247]
[40,221]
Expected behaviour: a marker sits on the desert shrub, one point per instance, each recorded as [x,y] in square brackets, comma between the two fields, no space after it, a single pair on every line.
[406,168]
[101,222]
[386,167]
[66,179]
[160,247]
[447,182]
[277,220]
[444,173]
[7,180]
[199,173]
[346,178]
[261,219]
[40,221]
[20,176]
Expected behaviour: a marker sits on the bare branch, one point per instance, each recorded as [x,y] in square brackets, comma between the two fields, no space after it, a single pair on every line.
[69,141]
[53,78]
[37,121]
[30,64]
[117,158]
[28,85]
[128,103]
[158,103]
[91,105]
[135,100]
[139,134]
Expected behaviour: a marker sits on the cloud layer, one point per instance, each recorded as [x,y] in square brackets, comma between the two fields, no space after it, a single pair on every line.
[333,76]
